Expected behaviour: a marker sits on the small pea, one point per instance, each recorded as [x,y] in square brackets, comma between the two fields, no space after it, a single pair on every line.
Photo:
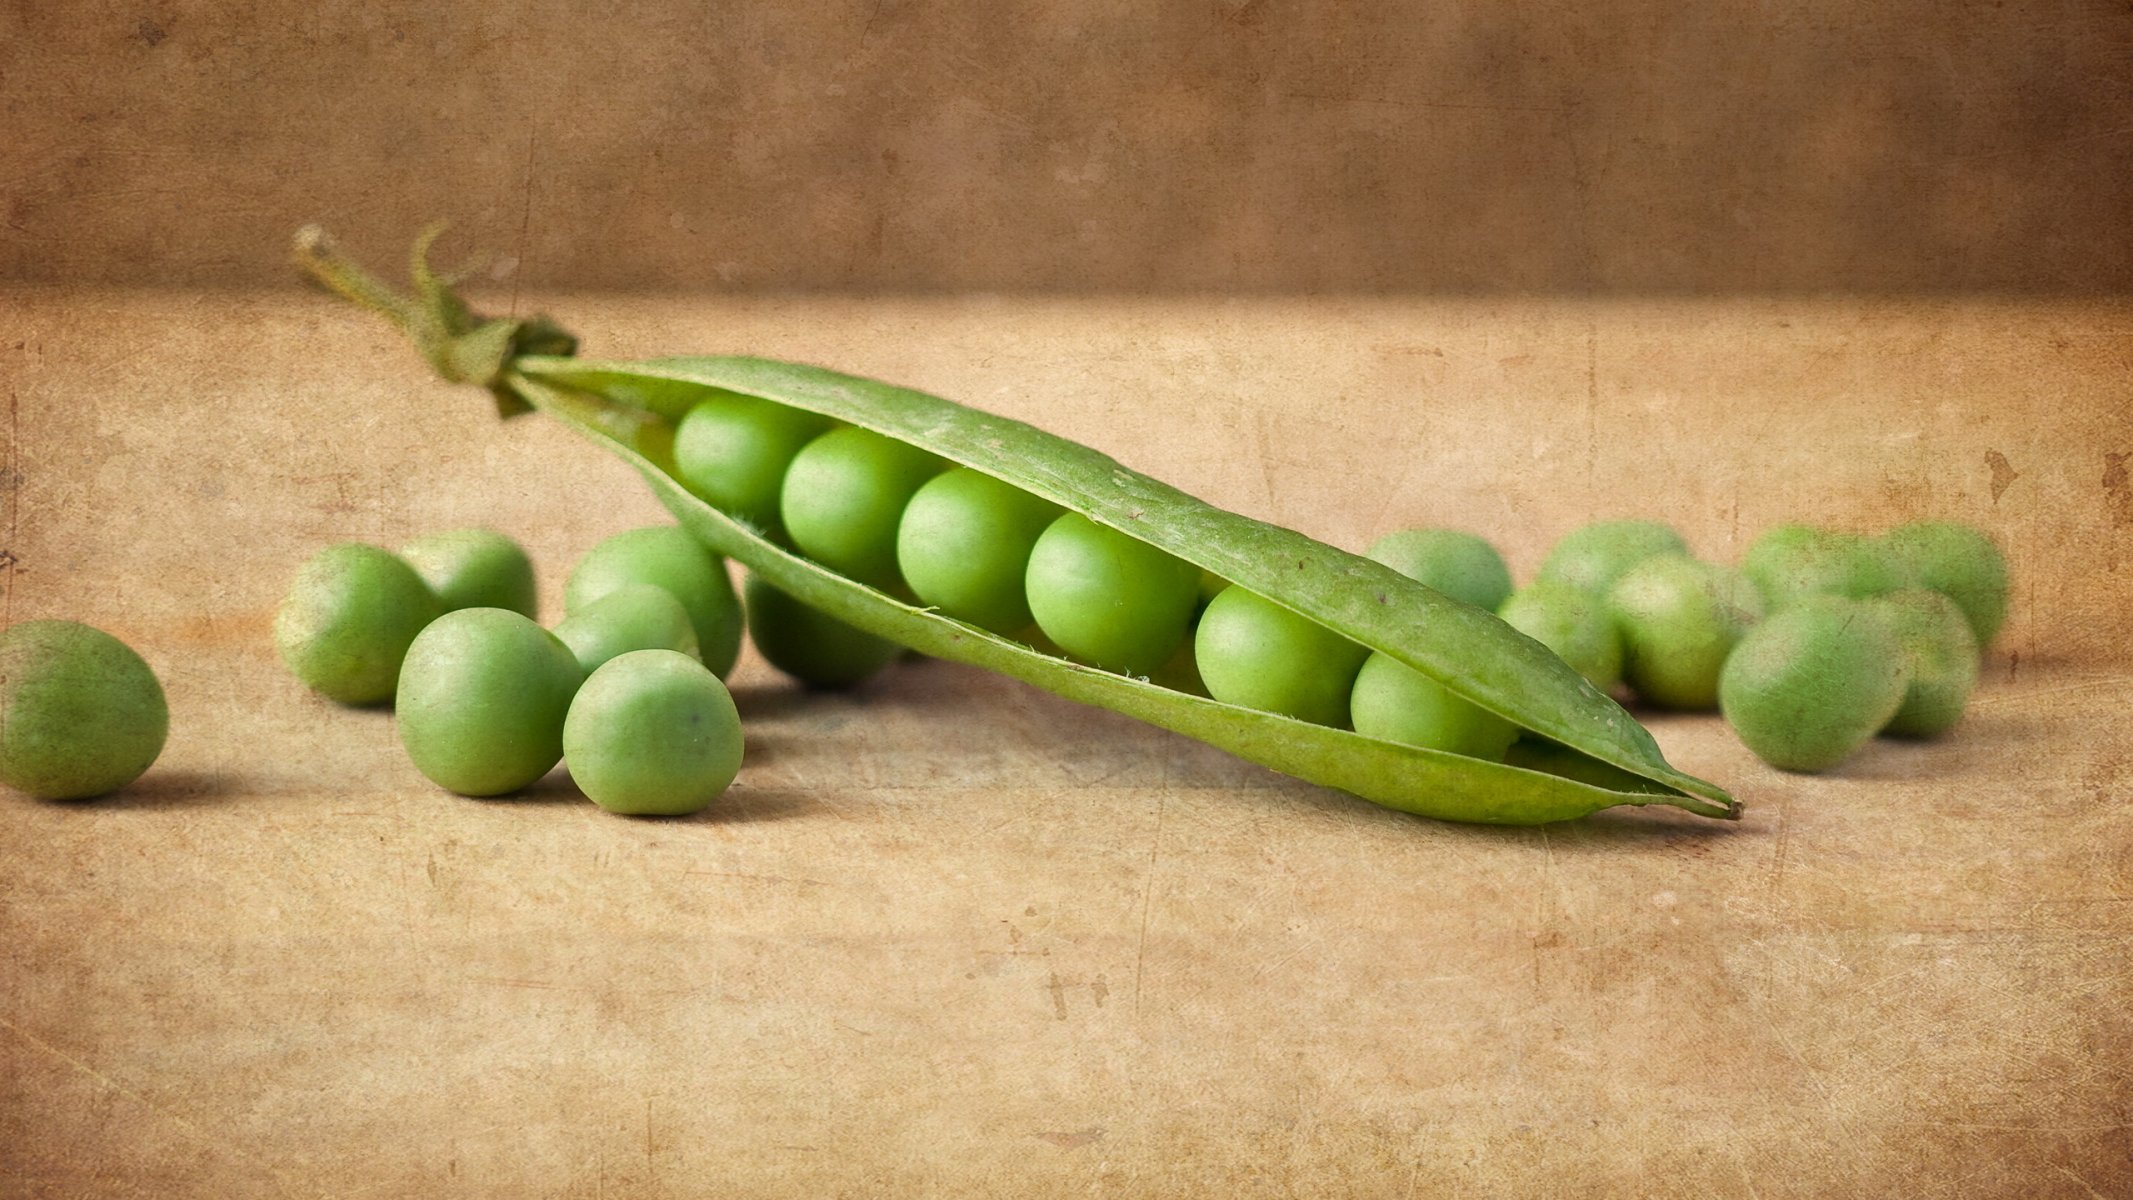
[348,620]
[1462,565]
[1254,653]
[1109,599]
[652,733]
[1571,621]
[636,616]
[1679,618]
[1396,703]
[1812,684]
[666,556]
[732,451]
[482,699]
[1595,556]
[1940,654]
[964,544]
[1792,561]
[1959,561]
[844,497]
[80,713]
[810,645]
[474,568]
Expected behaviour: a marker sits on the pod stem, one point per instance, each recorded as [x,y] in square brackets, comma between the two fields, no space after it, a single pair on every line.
[461,345]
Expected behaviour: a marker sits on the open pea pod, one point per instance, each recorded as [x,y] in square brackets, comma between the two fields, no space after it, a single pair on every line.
[1599,756]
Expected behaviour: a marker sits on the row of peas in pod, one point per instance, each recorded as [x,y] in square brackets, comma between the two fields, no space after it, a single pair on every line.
[1819,640]
[627,688]
[985,552]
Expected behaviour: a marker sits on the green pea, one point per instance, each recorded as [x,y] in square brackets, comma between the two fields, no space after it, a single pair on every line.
[1597,555]
[1460,564]
[732,451]
[474,568]
[80,713]
[652,733]
[1254,653]
[810,645]
[1792,561]
[348,619]
[1679,618]
[844,496]
[1959,561]
[964,544]
[1394,702]
[1571,621]
[1109,599]
[666,556]
[482,699]
[1813,683]
[1940,657]
[636,616]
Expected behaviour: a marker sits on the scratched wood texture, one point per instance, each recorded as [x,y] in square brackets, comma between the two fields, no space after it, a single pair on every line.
[949,936]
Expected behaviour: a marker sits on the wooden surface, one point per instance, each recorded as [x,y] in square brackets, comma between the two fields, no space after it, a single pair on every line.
[950,936]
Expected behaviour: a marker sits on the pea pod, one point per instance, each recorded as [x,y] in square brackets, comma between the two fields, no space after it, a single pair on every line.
[631,409]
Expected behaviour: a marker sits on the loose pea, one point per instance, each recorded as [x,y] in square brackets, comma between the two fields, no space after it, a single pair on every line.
[474,568]
[1960,562]
[1597,555]
[1397,703]
[1109,599]
[1679,618]
[1792,561]
[1812,684]
[733,450]
[1572,622]
[1940,654]
[482,699]
[80,713]
[652,733]
[1462,565]
[844,496]
[348,620]
[964,544]
[1254,653]
[810,645]
[636,616]
[666,556]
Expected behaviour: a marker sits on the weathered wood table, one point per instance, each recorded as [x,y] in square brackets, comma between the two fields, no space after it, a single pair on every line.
[951,936]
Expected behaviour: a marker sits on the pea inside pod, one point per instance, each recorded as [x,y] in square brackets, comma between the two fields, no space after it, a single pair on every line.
[964,543]
[1107,598]
[1253,652]
[734,450]
[843,499]
[624,407]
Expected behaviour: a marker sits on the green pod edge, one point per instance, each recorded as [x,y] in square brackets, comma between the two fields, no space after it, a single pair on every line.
[630,409]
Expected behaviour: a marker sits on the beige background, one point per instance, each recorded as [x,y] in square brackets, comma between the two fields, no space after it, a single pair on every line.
[948,936]
[1739,145]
